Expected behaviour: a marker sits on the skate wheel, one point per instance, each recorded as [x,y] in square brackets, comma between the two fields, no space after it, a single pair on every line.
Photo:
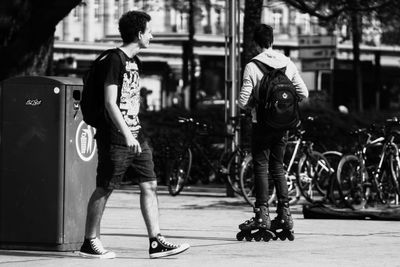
[267,238]
[248,238]
[275,238]
[257,238]
[239,236]
[282,237]
[291,237]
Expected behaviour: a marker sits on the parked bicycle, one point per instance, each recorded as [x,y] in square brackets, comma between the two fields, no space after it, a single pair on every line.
[333,195]
[223,166]
[364,182]
[307,172]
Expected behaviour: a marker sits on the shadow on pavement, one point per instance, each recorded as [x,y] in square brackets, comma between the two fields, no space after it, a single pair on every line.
[36,253]
[174,236]
[321,211]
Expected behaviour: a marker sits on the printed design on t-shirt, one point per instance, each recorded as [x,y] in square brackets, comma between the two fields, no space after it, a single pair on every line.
[130,97]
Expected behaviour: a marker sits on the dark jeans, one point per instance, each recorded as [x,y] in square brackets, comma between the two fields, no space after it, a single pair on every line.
[268,148]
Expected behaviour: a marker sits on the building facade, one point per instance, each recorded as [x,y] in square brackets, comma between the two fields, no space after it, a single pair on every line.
[93,27]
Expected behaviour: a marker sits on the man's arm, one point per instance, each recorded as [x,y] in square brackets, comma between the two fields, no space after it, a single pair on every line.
[246,99]
[110,103]
[301,88]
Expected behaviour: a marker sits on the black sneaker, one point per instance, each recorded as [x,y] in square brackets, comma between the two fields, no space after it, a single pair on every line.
[92,248]
[161,248]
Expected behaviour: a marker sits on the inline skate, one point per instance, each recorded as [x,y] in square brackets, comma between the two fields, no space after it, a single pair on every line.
[282,224]
[257,227]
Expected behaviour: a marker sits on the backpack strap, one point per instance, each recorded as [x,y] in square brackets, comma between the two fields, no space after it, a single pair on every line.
[266,69]
[120,54]
[138,62]
[262,66]
[109,51]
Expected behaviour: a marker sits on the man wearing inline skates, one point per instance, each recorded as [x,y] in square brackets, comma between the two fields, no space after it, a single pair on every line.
[268,143]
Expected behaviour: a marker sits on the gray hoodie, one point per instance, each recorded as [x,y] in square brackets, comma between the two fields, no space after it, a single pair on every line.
[252,76]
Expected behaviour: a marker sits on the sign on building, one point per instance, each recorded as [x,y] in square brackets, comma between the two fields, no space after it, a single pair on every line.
[317,40]
[317,64]
[317,52]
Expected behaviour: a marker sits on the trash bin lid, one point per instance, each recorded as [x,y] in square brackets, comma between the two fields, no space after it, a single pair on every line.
[43,80]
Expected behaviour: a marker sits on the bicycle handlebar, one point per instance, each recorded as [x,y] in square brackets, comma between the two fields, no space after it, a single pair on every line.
[191,121]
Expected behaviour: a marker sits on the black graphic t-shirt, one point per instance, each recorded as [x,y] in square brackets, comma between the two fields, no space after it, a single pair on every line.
[126,76]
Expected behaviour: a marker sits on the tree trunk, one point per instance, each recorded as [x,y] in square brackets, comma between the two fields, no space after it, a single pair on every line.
[356,36]
[252,17]
[26,36]
[192,62]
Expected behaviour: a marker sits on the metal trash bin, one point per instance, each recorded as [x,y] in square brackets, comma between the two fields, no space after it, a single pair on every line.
[47,164]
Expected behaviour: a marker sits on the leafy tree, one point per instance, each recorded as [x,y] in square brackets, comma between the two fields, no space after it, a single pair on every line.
[389,18]
[348,10]
[26,35]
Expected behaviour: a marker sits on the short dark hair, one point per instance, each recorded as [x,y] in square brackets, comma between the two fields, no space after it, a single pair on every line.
[131,23]
[264,35]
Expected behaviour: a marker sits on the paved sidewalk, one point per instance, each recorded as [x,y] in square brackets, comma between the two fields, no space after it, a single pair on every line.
[208,220]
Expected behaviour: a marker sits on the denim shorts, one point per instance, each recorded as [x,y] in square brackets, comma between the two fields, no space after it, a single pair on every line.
[115,160]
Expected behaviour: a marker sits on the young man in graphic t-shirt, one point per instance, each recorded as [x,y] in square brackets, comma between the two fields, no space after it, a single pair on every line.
[121,143]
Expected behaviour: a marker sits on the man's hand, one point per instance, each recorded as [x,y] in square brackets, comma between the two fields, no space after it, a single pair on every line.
[133,144]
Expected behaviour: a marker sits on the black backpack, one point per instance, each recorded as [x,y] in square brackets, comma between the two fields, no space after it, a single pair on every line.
[92,101]
[278,103]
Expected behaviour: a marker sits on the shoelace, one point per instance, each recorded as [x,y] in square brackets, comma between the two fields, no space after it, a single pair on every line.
[97,246]
[162,240]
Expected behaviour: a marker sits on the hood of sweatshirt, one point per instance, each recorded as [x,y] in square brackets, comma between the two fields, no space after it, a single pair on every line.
[273,59]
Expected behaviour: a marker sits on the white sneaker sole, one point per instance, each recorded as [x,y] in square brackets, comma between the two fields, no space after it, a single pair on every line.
[108,255]
[176,251]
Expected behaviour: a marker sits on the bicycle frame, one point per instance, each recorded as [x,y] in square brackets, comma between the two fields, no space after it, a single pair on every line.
[377,173]
[297,144]
[200,151]
[366,182]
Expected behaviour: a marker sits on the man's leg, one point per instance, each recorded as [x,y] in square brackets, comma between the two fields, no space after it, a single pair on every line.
[282,225]
[260,152]
[143,167]
[92,246]
[149,207]
[260,165]
[276,168]
[95,210]
[159,247]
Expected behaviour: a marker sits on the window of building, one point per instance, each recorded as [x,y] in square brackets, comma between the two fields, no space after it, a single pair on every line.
[97,10]
[304,25]
[77,13]
[277,18]
[117,9]
[314,25]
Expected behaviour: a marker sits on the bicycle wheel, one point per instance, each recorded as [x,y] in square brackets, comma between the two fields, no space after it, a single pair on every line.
[294,191]
[349,177]
[247,180]
[386,185]
[333,195]
[233,170]
[313,176]
[178,171]
[395,173]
